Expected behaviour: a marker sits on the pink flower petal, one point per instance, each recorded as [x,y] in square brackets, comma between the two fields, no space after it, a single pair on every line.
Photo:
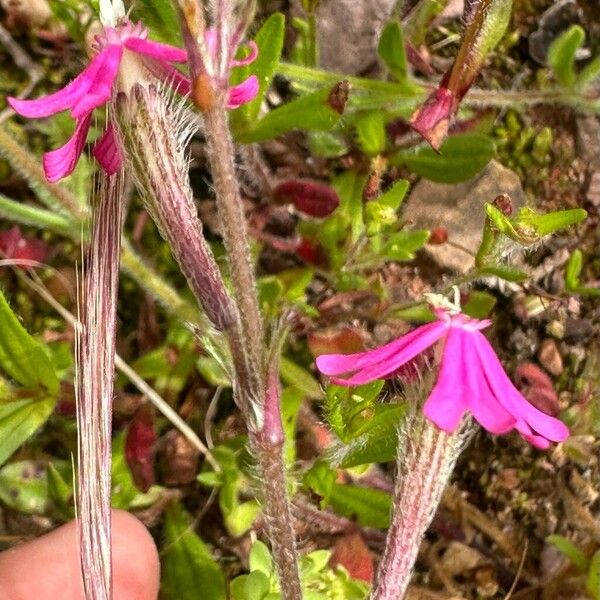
[170,75]
[506,393]
[249,59]
[484,406]
[156,50]
[242,93]
[427,337]
[62,99]
[447,402]
[60,162]
[431,120]
[100,89]
[338,364]
[106,151]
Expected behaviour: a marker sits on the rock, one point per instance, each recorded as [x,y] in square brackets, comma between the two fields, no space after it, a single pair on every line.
[578,330]
[550,358]
[459,208]
[588,141]
[560,16]
[593,191]
[348,32]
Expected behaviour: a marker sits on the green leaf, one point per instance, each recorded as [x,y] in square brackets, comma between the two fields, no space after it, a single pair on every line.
[403,245]
[375,442]
[561,56]
[241,517]
[60,490]
[370,508]
[291,400]
[480,304]
[310,112]
[394,196]
[35,216]
[549,223]
[460,158]
[505,272]
[392,51]
[573,270]
[260,559]
[269,41]
[593,579]
[254,586]
[320,479]
[370,133]
[298,377]
[19,420]
[161,17]
[327,144]
[589,74]
[572,552]
[21,357]
[213,372]
[188,568]
[24,485]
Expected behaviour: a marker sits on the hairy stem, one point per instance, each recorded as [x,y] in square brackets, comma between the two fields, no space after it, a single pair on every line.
[426,457]
[235,229]
[267,445]
[96,341]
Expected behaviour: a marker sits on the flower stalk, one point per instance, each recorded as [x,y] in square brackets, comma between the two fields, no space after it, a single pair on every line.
[426,458]
[96,340]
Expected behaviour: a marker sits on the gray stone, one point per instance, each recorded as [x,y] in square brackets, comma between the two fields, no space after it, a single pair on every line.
[559,17]
[460,209]
[348,32]
[588,140]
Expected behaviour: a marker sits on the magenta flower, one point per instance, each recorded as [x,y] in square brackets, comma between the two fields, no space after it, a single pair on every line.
[123,55]
[471,379]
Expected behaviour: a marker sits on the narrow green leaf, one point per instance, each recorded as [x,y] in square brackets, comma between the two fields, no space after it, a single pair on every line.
[561,56]
[311,112]
[394,196]
[460,158]
[370,508]
[570,550]
[19,420]
[269,41]
[37,217]
[21,356]
[298,377]
[479,305]
[549,223]
[593,579]
[573,270]
[392,51]
[188,568]
[505,272]
[588,75]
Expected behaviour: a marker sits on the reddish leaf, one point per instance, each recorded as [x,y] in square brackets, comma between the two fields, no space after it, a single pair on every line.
[346,340]
[538,388]
[352,553]
[139,445]
[14,245]
[313,198]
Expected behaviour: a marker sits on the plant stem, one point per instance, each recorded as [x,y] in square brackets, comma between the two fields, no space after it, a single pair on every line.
[426,457]
[267,443]
[235,230]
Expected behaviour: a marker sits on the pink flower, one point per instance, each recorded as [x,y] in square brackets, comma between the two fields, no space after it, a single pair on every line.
[94,87]
[471,379]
